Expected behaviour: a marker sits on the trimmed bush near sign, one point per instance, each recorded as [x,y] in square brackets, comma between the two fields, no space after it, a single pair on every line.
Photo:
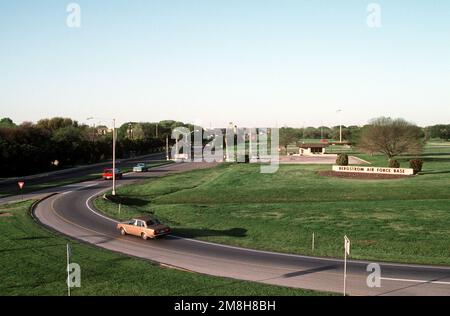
[393,163]
[342,160]
[416,165]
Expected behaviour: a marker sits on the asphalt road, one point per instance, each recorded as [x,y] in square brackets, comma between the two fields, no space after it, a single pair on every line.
[73,173]
[71,213]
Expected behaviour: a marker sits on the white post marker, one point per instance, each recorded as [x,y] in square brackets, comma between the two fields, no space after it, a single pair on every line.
[312,247]
[119,207]
[346,252]
[68,270]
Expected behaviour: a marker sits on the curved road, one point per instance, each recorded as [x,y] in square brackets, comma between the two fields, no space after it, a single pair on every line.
[71,212]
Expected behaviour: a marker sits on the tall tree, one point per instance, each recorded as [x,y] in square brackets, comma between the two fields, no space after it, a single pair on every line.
[6,122]
[391,137]
[287,136]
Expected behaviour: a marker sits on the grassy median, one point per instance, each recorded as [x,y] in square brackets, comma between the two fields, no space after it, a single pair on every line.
[402,220]
[33,262]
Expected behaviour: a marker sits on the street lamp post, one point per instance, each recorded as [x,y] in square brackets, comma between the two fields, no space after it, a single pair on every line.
[167,147]
[93,128]
[113,152]
[114,158]
[130,131]
[340,126]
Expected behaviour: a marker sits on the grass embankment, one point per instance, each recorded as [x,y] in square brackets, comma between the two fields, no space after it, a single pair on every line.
[33,262]
[404,220]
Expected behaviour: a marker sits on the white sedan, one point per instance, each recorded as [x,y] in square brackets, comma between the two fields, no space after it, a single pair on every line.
[140,167]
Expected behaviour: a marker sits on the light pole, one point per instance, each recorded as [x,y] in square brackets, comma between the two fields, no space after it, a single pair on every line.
[130,131]
[93,127]
[167,147]
[321,130]
[114,157]
[113,153]
[340,126]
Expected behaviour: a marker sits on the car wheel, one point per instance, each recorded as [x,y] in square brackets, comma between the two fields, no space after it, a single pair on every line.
[144,236]
[123,232]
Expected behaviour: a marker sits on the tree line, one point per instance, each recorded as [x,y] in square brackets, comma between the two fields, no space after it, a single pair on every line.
[441,131]
[52,144]
[56,143]
[391,137]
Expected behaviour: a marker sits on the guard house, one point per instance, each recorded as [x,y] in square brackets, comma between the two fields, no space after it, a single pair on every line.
[311,149]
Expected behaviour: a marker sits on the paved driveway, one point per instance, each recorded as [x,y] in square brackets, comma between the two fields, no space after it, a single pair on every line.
[328,159]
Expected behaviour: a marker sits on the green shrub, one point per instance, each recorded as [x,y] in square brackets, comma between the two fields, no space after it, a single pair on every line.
[393,163]
[416,165]
[342,160]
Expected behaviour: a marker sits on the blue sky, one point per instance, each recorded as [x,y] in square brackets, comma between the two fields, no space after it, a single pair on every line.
[253,62]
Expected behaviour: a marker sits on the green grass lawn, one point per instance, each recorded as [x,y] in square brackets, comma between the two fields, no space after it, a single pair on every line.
[33,262]
[402,220]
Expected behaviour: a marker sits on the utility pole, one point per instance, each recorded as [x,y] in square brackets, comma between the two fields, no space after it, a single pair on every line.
[130,131]
[114,157]
[93,128]
[167,147]
[340,126]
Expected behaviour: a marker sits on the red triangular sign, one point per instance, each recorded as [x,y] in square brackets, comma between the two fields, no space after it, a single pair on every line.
[21,184]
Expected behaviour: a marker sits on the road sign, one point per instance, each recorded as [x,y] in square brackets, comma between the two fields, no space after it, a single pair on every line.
[347,245]
[21,184]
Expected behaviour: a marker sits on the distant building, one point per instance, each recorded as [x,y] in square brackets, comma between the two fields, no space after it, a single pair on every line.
[103,130]
[312,149]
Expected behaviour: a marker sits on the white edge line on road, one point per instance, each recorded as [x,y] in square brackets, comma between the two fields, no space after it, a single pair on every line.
[95,212]
[309,257]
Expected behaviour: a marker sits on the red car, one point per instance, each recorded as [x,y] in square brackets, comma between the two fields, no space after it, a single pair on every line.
[108,174]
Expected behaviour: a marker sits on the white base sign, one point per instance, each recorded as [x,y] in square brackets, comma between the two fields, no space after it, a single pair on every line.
[374,170]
